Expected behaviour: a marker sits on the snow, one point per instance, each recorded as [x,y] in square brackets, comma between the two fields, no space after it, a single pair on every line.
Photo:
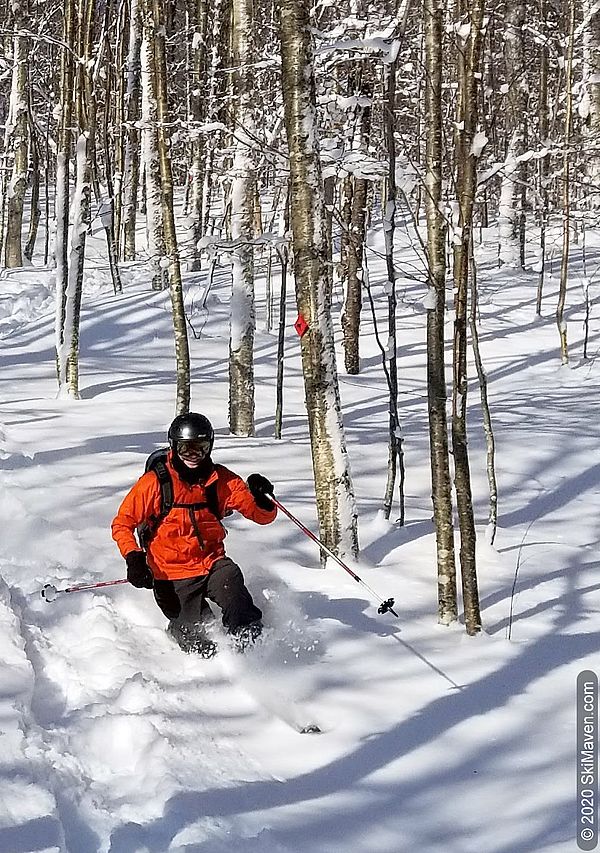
[479,142]
[113,741]
[430,299]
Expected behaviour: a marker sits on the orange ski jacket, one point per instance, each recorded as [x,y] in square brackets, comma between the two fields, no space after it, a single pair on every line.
[188,540]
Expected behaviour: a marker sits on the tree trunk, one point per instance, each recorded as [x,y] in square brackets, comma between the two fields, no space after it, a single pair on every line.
[153,10]
[80,214]
[333,483]
[468,53]
[243,181]
[361,86]
[35,212]
[199,12]
[543,163]
[80,219]
[282,254]
[61,206]
[131,167]
[591,53]
[155,226]
[220,33]
[566,186]
[514,175]
[490,442]
[18,142]
[395,443]
[436,253]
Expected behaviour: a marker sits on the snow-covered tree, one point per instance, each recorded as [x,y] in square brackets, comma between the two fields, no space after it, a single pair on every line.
[436,369]
[469,35]
[510,206]
[333,483]
[589,108]
[243,188]
[129,185]
[64,298]
[156,60]
[155,235]
[18,139]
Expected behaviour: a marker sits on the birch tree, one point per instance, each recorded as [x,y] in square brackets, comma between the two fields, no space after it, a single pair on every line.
[19,137]
[466,153]
[543,163]
[64,314]
[80,209]
[220,35]
[243,188]
[35,212]
[510,209]
[131,158]
[360,86]
[436,253]
[566,188]
[151,159]
[333,484]
[395,464]
[590,107]
[197,110]
[157,58]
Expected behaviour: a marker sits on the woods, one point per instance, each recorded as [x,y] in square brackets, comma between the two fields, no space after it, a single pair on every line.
[256,139]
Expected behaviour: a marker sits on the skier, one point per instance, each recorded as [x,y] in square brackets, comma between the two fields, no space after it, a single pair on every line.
[185,561]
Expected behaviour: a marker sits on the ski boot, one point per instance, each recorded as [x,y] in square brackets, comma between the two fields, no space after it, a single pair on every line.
[247,635]
[193,639]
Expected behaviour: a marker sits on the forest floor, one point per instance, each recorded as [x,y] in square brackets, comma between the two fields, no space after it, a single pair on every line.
[115,742]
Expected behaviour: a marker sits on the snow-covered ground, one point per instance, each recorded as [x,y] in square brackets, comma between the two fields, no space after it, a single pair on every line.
[113,740]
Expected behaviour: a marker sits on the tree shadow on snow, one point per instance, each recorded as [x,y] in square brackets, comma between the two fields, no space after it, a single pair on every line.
[311,829]
[37,834]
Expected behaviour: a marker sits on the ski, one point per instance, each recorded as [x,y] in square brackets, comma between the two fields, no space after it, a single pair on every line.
[280,708]
[266,697]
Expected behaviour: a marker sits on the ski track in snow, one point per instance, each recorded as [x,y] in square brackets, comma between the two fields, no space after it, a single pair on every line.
[112,741]
[66,708]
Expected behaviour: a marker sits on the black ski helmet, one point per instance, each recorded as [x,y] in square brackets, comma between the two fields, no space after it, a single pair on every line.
[190,427]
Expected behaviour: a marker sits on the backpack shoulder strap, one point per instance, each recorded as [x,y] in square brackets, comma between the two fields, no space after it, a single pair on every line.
[212,500]
[166,486]
[157,463]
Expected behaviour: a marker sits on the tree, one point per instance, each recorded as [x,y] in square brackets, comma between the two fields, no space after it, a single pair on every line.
[466,154]
[436,253]
[590,107]
[131,158]
[198,101]
[64,308]
[333,483]
[80,214]
[360,87]
[19,139]
[510,207]
[566,178]
[151,157]
[157,59]
[243,188]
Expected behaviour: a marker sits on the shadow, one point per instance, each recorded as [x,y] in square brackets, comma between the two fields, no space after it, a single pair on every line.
[384,544]
[37,834]
[345,773]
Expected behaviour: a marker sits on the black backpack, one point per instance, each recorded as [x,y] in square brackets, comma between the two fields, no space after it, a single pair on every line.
[157,462]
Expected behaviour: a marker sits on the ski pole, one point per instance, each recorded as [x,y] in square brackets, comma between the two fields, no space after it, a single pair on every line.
[49,591]
[384,606]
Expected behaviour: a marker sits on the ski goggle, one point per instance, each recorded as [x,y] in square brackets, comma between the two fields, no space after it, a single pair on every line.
[194,447]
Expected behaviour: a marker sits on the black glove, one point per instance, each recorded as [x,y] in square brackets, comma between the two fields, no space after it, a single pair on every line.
[138,573]
[259,486]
